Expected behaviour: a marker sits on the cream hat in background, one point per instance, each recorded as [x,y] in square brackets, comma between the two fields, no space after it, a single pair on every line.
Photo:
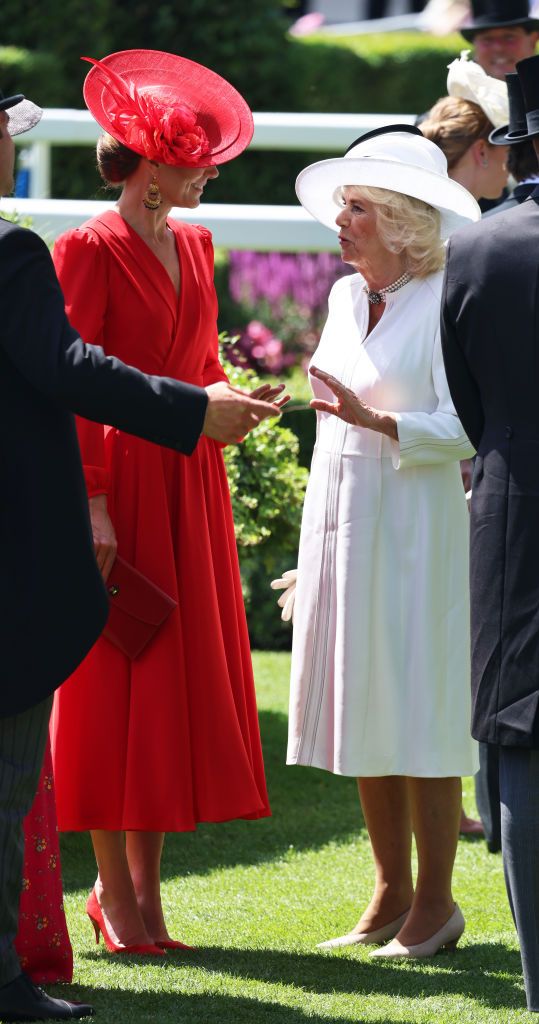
[467,81]
[397,158]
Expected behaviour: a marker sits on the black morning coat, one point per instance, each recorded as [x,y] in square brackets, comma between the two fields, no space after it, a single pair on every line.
[490,341]
[53,604]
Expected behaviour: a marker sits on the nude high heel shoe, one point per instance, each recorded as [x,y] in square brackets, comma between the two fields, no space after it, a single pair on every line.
[366,938]
[446,938]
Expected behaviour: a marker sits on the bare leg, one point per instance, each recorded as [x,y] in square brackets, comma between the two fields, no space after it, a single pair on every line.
[387,816]
[114,890]
[144,851]
[435,806]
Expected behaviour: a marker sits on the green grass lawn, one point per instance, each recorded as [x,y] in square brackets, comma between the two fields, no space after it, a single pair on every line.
[256,897]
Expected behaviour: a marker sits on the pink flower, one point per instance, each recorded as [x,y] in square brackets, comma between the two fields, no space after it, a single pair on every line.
[307,23]
[258,331]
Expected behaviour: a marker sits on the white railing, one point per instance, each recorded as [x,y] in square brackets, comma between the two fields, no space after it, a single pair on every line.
[318,132]
[264,228]
[233,226]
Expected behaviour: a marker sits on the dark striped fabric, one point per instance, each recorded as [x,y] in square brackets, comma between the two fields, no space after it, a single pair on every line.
[519,794]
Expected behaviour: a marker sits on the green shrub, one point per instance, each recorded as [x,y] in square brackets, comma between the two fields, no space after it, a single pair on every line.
[70,29]
[398,72]
[33,73]
[267,487]
[247,43]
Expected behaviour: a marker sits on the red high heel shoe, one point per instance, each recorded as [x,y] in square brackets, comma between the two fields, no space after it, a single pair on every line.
[172,944]
[96,917]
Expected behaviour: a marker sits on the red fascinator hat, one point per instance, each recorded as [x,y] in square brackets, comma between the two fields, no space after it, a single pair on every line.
[167,108]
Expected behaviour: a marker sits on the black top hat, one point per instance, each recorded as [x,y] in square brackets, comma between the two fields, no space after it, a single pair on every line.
[517,129]
[499,14]
[528,75]
[23,113]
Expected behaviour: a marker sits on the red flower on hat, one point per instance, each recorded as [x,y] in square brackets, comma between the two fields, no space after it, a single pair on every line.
[169,134]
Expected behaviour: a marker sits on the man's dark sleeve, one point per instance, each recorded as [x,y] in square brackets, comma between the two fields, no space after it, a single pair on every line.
[462,384]
[38,339]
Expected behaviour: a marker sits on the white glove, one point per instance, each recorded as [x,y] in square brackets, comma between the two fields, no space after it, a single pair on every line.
[287,584]
[469,498]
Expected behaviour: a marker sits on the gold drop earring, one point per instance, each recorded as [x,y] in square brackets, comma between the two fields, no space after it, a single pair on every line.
[152,196]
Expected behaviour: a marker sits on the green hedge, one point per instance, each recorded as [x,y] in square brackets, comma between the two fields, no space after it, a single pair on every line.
[392,73]
[33,72]
[399,72]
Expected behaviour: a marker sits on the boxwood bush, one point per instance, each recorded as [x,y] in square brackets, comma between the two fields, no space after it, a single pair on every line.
[391,73]
[267,486]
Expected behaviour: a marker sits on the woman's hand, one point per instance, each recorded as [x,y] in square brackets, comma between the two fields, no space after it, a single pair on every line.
[268,393]
[105,545]
[351,409]
[287,600]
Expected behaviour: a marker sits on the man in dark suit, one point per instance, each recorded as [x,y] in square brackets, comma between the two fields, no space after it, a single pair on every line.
[522,164]
[490,339]
[53,604]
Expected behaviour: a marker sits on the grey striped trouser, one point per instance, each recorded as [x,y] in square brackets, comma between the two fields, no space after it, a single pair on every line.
[519,795]
[22,745]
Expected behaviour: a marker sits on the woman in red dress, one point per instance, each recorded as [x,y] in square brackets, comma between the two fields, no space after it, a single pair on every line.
[156,744]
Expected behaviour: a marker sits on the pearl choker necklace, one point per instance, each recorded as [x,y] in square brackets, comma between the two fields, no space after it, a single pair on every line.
[375,298]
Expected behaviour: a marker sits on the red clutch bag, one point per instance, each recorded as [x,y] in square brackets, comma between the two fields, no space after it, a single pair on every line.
[138,608]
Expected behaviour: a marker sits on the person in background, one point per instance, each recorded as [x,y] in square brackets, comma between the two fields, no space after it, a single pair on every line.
[502,33]
[522,161]
[461,123]
[491,351]
[183,714]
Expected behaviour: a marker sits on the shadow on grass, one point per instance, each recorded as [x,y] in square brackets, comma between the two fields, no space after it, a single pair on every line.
[310,808]
[498,968]
[116,1006]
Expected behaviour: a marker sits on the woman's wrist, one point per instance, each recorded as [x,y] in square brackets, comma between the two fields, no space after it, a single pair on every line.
[386,423]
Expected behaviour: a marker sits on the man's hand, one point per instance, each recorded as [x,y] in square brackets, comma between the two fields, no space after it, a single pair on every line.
[105,545]
[232,413]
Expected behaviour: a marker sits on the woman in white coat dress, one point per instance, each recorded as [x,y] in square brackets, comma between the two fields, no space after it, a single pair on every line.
[380,663]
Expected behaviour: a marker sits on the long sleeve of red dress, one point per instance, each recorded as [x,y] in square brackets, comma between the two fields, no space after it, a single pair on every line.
[83,283]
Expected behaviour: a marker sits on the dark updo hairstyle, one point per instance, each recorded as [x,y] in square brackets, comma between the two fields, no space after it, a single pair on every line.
[115,162]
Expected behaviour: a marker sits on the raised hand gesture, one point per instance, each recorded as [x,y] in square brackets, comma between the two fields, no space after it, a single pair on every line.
[350,408]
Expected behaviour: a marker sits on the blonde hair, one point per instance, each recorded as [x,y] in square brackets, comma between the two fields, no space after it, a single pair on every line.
[406,225]
[454,125]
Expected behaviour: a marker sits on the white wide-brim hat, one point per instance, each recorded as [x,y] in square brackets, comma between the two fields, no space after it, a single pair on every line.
[397,158]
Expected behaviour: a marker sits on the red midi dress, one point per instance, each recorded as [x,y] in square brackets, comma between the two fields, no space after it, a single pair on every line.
[171,738]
